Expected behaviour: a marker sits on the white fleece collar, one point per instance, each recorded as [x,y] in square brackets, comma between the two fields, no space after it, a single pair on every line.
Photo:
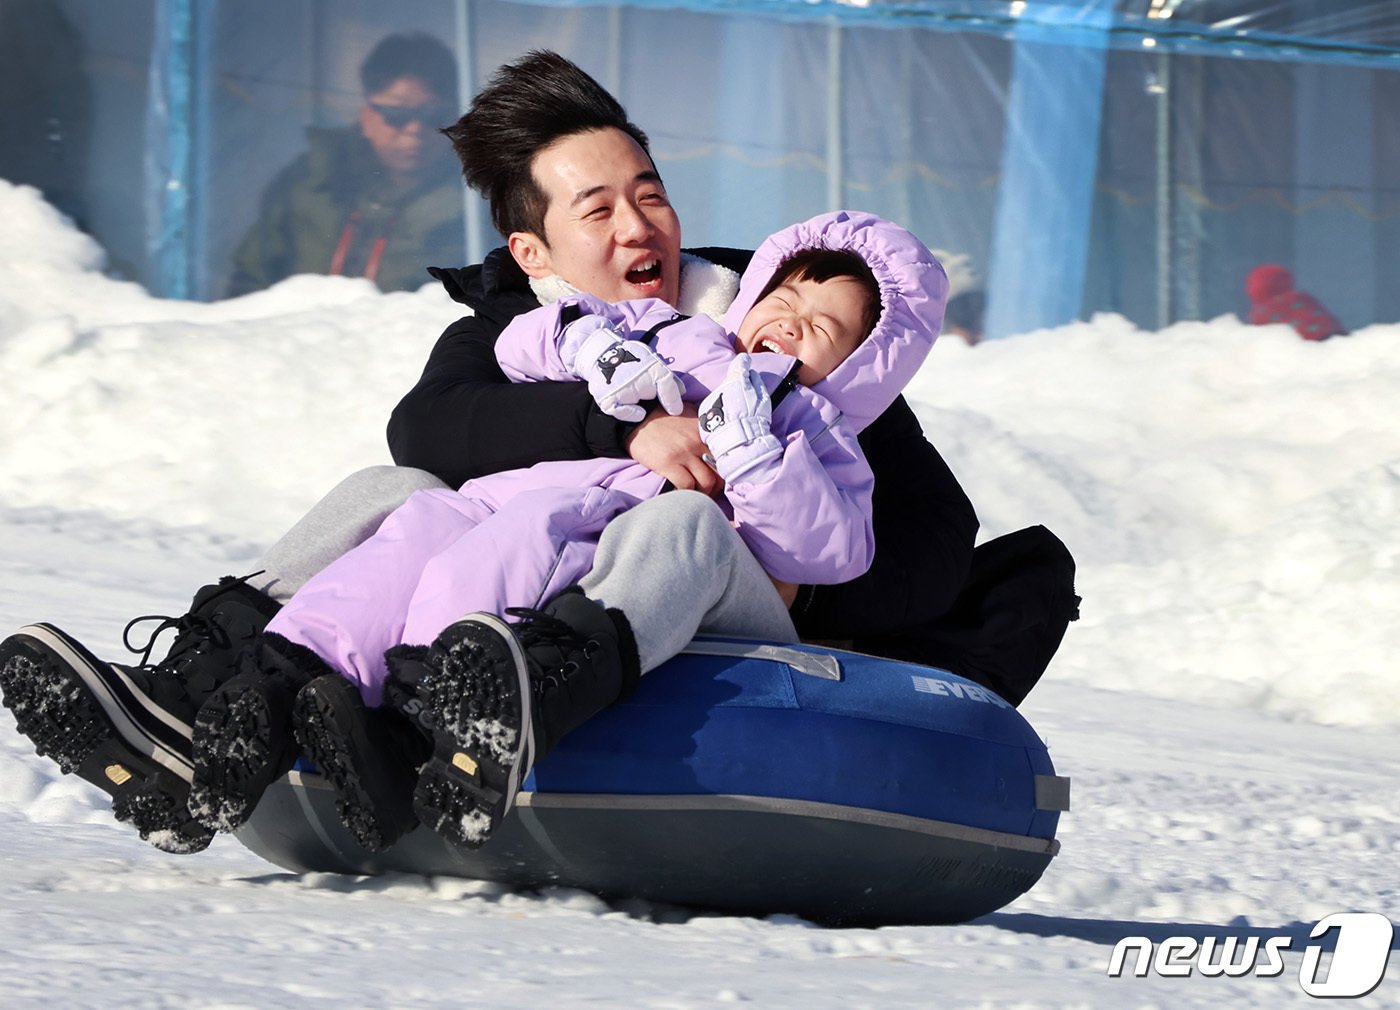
[706,288]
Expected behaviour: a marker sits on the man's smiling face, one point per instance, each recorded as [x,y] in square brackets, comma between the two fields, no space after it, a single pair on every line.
[609,228]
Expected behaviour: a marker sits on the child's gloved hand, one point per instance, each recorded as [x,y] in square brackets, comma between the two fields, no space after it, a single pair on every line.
[736,426]
[620,373]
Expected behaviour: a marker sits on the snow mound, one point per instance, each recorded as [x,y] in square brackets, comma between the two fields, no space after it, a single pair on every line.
[1229,491]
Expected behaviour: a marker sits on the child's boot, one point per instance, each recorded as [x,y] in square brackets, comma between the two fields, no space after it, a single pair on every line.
[242,740]
[371,757]
[500,697]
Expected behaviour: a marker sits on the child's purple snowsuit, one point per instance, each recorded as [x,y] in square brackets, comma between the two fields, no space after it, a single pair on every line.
[516,538]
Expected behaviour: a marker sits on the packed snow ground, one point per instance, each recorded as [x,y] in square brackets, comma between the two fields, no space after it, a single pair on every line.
[1227,707]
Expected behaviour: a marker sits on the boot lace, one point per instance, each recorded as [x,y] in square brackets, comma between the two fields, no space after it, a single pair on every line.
[535,628]
[193,625]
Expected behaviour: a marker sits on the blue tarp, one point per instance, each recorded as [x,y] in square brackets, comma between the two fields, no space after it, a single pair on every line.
[1131,156]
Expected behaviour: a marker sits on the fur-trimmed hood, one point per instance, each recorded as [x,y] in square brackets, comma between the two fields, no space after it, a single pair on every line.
[913,292]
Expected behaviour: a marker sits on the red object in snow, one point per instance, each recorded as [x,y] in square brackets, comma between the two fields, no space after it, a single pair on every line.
[1274,299]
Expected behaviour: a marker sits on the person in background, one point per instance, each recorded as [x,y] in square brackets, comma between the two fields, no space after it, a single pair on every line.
[378,198]
[1274,299]
[964,315]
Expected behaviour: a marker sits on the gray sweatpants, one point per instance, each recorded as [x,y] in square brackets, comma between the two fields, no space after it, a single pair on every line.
[673,564]
[344,518]
[676,567]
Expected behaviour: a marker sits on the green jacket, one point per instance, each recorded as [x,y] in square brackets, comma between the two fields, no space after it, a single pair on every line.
[308,210]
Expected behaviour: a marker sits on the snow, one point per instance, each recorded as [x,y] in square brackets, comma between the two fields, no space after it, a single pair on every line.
[1226,706]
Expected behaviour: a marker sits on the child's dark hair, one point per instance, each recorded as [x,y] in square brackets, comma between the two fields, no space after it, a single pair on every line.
[526,106]
[821,265]
[415,55]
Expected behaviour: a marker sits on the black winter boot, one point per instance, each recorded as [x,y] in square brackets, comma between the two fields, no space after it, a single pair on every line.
[223,621]
[243,740]
[126,728]
[501,696]
[370,755]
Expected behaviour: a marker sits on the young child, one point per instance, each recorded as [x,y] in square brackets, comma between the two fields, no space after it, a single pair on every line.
[833,317]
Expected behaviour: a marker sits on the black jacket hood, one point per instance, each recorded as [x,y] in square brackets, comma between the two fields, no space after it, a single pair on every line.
[495,289]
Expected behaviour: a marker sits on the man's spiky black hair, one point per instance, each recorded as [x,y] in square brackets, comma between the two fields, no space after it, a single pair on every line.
[528,105]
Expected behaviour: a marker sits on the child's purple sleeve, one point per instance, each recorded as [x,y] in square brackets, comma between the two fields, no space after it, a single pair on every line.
[528,348]
[811,522]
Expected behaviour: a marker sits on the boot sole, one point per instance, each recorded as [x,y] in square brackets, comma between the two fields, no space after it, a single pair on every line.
[92,721]
[469,784]
[234,758]
[376,810]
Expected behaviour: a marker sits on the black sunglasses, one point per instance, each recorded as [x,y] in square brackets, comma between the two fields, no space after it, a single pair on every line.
[398,117]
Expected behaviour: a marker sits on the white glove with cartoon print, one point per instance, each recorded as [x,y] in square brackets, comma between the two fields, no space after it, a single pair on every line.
[736,426]
[620,373]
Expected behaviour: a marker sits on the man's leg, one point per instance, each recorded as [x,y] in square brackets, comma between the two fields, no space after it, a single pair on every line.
[676,567]
[126,728]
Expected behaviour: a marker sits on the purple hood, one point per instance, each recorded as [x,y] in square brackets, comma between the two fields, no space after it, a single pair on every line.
[913,291]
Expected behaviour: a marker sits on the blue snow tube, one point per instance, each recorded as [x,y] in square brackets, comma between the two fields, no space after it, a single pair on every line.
[759,779]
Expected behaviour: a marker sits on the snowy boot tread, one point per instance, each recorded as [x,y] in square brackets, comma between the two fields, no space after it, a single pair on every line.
[92,720]
[500,697]
[242,740]
[370,762]
[477,687]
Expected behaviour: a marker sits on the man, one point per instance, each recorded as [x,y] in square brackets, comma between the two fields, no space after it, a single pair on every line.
[573,187]
[375,199]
